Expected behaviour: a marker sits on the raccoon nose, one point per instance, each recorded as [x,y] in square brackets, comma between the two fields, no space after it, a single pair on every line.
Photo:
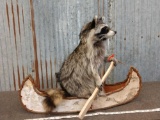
[115,32]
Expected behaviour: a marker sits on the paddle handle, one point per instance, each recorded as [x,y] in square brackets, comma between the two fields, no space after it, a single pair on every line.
[92,97]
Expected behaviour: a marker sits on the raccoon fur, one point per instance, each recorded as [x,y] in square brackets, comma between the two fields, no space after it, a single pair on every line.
[79,76]
[54,98]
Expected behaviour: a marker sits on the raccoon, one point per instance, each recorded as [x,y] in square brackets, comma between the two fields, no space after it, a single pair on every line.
[79,74]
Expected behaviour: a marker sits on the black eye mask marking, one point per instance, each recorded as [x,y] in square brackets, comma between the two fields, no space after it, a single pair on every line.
[104,30]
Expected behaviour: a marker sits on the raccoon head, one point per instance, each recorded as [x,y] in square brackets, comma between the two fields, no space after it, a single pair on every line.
[96,31]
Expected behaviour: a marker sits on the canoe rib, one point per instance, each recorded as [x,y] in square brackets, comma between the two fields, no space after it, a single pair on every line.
[117,94]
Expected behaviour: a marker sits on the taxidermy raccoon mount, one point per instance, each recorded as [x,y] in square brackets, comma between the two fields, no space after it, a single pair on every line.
[79,74]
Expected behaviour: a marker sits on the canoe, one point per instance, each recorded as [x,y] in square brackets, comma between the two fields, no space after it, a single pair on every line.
[117,94]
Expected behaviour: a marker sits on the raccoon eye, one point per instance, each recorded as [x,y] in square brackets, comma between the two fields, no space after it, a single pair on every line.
[105,30]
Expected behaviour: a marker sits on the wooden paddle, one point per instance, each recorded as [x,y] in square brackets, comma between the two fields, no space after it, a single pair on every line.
[94,94]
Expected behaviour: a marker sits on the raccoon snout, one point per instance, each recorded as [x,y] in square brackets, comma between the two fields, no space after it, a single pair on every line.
[115,32]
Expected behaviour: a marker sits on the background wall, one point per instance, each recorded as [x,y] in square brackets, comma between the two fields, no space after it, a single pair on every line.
[138,40]
[37,35]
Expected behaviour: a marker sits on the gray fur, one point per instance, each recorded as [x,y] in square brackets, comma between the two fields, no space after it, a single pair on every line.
[79,73]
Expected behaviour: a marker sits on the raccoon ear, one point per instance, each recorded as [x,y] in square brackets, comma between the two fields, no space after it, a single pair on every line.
[103,19]
[94,21]
[93,24]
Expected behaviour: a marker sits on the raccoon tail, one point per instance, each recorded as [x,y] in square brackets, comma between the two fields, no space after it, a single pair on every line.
[54,98]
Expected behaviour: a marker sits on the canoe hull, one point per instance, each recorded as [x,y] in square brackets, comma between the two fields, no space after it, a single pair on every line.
[117,94]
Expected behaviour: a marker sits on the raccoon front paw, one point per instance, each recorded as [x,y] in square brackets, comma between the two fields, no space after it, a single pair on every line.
[111,58]
[99,85]
[115,61]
